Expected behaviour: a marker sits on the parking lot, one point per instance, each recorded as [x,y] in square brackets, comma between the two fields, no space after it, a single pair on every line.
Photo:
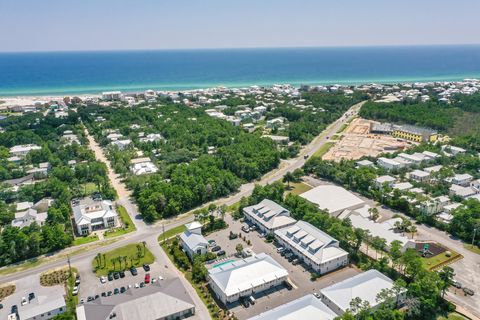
[298,275]
[24,287]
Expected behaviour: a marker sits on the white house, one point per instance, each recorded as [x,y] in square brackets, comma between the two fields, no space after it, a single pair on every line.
[23,150]
[389,164]
[386,179]
[28,213]
[463,179]
[192,240]
[122,144]
[463,192]
[246,277]
[419,175]
[366,286]
[268,216]
[92,214]
[43,307]
[141,166]
[152,137]
[313,247]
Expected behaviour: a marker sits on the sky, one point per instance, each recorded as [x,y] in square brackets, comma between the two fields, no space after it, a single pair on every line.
[64,25]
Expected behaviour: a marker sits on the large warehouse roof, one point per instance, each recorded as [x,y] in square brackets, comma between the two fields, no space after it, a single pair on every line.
[332,198]
[306,308]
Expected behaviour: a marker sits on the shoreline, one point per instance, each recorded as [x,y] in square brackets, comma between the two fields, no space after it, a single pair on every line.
[52,94]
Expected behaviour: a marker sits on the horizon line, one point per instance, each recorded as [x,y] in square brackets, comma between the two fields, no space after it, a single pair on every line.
[246,48]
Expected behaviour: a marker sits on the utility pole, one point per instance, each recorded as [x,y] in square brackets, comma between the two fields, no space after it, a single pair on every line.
[163,232]
[69,265]
[473,238]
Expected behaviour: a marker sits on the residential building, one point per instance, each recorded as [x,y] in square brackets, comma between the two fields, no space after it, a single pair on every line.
[333,199]
[268,216]
[453,150]
[246,277]
[463,179]
[315,248]
[305,308]
[112,96]
[192,240]
[23,150]
[433,169]
[141,166]
[166,300]
[412,158]
[462,192]
[402,186]
[384,180]
[152,137]
[414,133]
[366,286]
[122,144]
[364,163]
[389,164]
[43,307]
[381,230]
[94,214]
[420,176]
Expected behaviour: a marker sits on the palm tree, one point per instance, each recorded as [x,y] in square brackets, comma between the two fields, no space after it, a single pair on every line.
[113,261]
[413,230]
[373,213]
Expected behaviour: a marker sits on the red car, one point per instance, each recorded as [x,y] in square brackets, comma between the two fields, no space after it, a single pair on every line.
[147,278]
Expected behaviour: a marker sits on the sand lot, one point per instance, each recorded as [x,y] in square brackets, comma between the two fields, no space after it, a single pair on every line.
[357,141]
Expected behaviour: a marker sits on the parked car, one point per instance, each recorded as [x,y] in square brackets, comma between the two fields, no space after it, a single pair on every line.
[154,280]
[295,261]
[317,295]
[109,293]
[77,281]
[14,309]
[146,267]
[147,278]
[212,243]
[246,229]
[288,285]
[245,302]
[142,284]
[90,298]
[252,300]
[31,296]
[160,278]
[133,271]
[116,275]
[110,276]
[216,248]
[457,284]
[104,294]
[75,290]
[122,274]
[468,291]
[24,301]
[253,228]
[123,289]
[96,297]
[103,279]
[116,291]
[136,286]
[280,250]
[220,253]
[1,306]
[291,258]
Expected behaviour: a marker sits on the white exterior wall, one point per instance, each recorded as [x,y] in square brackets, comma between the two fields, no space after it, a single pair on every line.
[48,314]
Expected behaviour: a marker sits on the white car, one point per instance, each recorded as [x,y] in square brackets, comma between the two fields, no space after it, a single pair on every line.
[137,286]
[24,301]
[129,286]
[160,278]
[103,279]
[154,280]
[75,290]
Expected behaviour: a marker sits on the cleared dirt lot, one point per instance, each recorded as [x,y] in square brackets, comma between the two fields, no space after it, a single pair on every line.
[299,277]
[357,141]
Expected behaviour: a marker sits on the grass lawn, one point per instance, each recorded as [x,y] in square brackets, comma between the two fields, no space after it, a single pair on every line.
[298,188]
[342,128]
[136,254]
[171,233]
[89,188]
[431,263]
[127,223]
[323,149]
[83,240]
[453,316]
[474,249]
[335,137]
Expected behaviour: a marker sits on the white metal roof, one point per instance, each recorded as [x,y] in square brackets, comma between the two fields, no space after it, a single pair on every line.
[332,198]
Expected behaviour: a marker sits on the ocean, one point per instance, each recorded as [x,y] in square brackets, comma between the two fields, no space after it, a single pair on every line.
[52,73]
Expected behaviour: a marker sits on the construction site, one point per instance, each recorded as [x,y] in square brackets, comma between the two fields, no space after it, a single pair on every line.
[357,141]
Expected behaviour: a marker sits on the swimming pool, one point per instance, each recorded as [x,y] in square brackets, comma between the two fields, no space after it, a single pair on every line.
[222,263]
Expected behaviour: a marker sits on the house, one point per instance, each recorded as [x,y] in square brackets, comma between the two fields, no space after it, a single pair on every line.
[412,158]
[192,240]
[152,137]
[43,307]
[419,176]
[402,186]
[366,286]
[112,96]
[305,308]
[384,180]
[433,169]
[364,163]
[246,277]
[41,170]
[166,300]
[114,136]
[94,214]
[70,138]
[315,248]
[333,199]
[122,144]
[141,166]
[28,213]
[430,155]
[268,216]
[434,206]
[453,150]
[23,150]
[381,230]
[389,164]
[462,192]
[463,179]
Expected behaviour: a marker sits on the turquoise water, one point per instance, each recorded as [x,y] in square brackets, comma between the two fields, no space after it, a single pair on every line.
[93,72]
[222,263]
